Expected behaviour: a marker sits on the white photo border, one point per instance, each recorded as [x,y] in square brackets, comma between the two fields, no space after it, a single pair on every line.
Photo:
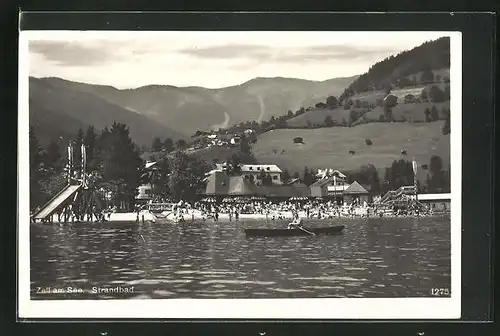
[335,308]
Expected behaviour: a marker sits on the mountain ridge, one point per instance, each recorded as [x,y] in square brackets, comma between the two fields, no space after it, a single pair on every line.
[196,108]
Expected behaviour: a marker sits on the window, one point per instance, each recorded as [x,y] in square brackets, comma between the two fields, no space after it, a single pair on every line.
[258,168]
[268,168]
[275,177]
[251,168]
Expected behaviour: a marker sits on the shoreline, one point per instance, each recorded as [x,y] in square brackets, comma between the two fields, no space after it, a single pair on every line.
[196,215]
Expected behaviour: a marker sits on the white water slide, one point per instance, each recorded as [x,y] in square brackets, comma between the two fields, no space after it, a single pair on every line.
[52,205]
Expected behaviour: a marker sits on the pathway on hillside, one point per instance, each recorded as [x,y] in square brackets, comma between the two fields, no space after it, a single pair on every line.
[225,123]
[262,108]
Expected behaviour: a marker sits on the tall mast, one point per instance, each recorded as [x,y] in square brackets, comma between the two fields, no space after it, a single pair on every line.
[84,163]
[415,184]
[70,162]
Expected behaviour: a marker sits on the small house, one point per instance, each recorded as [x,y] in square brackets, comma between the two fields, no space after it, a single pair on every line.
[356,193]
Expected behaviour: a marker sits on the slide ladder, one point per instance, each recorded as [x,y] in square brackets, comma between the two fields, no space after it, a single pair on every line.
[51,206]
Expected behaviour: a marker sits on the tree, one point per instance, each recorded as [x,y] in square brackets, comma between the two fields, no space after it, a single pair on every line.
[388,113]
[447,92]
[307,178]
[290,114]
[235,165]
[159,177]
[122,168]
[245,146]
[320,105]
[437,182]
[35,169]
[436,95]
[400,174]
[446,127]
[186,177]
[53,156]
[286,175]
[267,180]
[436,164]
[434,113]
[181,144]
[427,77]
[329,121]
[427,113]
[424,96]
[168,144]
[332,102]
[157,145]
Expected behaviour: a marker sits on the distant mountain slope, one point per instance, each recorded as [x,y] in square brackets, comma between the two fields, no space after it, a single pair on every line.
[329,147]
[61,108]
[53,126]
[194,108]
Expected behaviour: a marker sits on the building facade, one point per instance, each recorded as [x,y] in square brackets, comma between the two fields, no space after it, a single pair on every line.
[255,172]
[436,202]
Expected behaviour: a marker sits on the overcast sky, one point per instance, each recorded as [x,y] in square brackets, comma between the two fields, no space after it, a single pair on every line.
[211,59]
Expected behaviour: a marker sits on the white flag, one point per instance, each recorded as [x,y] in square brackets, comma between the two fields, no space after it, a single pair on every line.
[415,166]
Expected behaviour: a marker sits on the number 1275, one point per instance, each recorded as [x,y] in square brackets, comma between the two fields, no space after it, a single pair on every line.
[440,291]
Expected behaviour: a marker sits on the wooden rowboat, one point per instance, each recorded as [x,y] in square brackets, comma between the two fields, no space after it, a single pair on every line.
[331,230]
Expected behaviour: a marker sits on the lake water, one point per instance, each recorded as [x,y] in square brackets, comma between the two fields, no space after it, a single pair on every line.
[404,257]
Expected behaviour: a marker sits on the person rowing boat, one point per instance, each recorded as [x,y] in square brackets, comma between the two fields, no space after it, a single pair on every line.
[297,224]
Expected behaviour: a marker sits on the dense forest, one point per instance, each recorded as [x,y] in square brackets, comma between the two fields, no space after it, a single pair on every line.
[396,70]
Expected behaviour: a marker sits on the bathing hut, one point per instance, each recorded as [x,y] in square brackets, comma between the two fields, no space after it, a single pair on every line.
[356,192]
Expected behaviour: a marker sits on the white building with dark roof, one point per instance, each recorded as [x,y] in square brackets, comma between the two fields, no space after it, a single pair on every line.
[256,171]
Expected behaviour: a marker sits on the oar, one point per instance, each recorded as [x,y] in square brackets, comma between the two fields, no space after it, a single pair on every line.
[311,233]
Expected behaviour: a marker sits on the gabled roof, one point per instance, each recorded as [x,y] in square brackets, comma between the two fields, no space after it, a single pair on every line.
[217,184]
[322,182]
[239,186]
[330,172]
[355,188]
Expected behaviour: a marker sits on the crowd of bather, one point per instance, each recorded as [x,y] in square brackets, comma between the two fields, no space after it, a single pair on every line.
[312,209]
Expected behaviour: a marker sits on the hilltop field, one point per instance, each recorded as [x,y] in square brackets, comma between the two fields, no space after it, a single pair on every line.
[329,147]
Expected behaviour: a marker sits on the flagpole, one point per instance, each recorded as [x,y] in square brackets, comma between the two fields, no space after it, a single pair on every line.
[415,184]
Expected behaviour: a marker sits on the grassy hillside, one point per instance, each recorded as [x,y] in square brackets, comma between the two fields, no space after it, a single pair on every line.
[402,69]
[412,112]
[195,108]
[62,108]
[329,147]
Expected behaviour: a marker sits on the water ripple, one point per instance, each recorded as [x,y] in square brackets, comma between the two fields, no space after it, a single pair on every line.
[373,258]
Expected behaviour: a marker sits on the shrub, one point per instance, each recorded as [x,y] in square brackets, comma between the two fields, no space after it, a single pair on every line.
[368,142]
[298,140]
